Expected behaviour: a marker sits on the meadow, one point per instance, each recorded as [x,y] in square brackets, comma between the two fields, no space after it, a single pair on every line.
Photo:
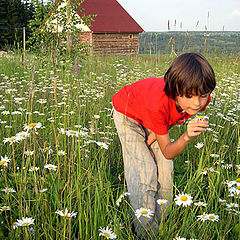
[61,169]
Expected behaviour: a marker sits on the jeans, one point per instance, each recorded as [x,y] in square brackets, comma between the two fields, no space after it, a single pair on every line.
[148,173]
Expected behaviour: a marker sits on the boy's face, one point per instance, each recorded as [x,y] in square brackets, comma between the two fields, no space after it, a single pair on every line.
[192,104]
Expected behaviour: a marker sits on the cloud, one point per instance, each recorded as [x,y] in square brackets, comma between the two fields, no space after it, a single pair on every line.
[236,12]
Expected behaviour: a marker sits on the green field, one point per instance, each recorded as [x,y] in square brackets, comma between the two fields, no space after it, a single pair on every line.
[60,115]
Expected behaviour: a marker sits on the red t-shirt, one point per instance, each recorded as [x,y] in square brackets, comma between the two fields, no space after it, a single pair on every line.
[146,102]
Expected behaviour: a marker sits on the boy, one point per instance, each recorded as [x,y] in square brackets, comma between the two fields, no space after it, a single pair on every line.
[144,112]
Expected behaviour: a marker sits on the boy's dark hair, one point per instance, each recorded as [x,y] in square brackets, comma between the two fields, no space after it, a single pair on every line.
[190,74]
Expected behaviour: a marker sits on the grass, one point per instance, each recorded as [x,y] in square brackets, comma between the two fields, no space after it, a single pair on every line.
[89,177]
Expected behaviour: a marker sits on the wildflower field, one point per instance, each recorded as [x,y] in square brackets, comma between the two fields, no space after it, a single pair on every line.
[61,169]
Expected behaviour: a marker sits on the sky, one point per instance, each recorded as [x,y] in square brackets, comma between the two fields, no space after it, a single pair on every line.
[189,15]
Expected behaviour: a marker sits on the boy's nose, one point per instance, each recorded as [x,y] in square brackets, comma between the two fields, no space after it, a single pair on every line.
[197,101]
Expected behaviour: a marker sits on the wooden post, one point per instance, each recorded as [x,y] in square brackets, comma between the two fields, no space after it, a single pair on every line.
[24,39]
[68,22]
[23,53]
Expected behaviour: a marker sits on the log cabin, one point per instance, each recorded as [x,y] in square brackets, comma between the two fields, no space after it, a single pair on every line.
[113,30]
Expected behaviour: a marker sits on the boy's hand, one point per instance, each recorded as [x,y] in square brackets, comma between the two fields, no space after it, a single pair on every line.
[194,128]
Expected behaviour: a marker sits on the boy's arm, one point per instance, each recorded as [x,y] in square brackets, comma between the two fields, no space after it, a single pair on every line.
[171,150]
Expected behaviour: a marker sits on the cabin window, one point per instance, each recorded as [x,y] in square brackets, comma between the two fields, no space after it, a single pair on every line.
[130,36]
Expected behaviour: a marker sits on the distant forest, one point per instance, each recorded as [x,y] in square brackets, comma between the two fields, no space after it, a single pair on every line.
[169,42]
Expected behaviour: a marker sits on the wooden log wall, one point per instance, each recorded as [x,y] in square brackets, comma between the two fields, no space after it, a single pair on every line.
[85,37]
[115,43]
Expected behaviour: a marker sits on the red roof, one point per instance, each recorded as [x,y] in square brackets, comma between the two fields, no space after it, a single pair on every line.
[111,17]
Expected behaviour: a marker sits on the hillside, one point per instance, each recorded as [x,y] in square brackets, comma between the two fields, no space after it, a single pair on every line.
[165,42]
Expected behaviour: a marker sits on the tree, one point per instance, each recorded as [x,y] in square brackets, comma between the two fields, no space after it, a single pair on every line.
[14,15]
[5,34]
[59,27]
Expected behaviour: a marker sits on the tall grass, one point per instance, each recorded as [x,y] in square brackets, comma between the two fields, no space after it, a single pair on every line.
[89,178]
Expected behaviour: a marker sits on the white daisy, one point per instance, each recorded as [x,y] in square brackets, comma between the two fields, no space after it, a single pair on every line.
[232,205]
[61,153]
[42,101]
[5,112]
[71,133]
[8,190]
[61,130]
[204,171]
[162,201]
[121,197]
[202,217]
[96,116]
[235,190]
[32,126]
[212,217]
[144,212]
[11,140]
[4,161]
[50,167]
[66,214]
[4,208]
[24,222]
[183,199]
[102,145]
[107,233]
[22,135]
[201,118]
[33,169]
[199,145]
[48,150]
[235,195]
[28,153]
[200,204]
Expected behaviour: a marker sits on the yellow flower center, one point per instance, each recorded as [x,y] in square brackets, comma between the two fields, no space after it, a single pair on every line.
[212,217]
[4,208]
[25,224]
[183,198]
[47,148]
[238,180]
[238,187]
[32,125]
[106,235]
[205,169]
[2,162]
[143,212]
[72,132]
[28,153]
[61,154]
[11,139]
